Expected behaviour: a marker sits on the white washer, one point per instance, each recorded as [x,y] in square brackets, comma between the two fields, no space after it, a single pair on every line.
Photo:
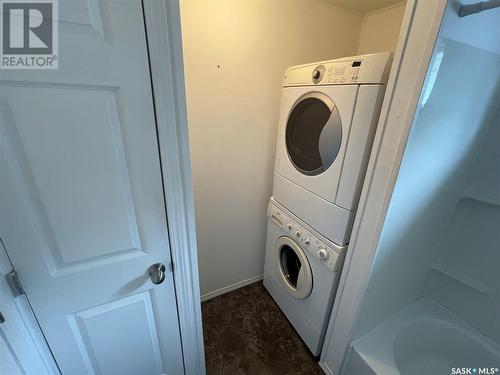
[301,273]
[328,116]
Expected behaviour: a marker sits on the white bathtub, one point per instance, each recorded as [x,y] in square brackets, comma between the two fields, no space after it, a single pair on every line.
[423,339]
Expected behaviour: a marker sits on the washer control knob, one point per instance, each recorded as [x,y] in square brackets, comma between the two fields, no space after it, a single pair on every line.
[316,74]
[290,226]
[297,233]
[323,254]
[307,241]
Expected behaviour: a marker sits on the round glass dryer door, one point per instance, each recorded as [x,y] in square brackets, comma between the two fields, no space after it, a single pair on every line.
[313,134]
[295,271]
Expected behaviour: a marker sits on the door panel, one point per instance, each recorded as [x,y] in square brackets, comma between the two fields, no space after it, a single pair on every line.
[100,333]
[64,172]
[82,196]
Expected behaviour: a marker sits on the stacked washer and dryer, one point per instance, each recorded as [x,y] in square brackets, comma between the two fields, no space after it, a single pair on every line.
[329,112]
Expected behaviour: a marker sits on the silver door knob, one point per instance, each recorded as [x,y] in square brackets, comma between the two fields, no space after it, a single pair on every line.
[157,273]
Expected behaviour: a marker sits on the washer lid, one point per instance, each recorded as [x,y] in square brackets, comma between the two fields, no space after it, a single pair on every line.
[295,270]
[313,133]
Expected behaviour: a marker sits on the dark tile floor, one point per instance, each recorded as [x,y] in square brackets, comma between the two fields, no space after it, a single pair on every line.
[246,333]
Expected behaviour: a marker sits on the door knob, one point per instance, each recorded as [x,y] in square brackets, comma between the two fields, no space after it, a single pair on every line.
[157,273]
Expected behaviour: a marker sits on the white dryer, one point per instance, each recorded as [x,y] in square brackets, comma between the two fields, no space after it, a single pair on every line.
[301,272]
[329,112]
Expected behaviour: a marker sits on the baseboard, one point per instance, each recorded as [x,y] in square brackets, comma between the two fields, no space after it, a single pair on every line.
[325,368]
[229,288]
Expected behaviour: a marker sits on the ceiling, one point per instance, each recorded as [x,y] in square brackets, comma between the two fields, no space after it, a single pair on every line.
[362,6]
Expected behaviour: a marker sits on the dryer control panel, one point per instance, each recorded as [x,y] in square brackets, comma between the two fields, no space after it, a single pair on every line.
[327,252]
[363,69]
[343,72]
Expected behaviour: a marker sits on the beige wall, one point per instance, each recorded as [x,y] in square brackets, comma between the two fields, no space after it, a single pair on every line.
[235,53]
[380,29]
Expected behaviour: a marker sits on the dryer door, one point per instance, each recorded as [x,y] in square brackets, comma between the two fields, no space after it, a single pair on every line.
[313,134]
[295,270]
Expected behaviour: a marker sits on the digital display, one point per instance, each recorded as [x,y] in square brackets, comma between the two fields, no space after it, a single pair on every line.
[356,63]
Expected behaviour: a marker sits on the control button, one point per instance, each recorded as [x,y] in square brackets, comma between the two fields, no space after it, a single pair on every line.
[297,233]
[323,254]
[317,74]
[307,241]
[290,226]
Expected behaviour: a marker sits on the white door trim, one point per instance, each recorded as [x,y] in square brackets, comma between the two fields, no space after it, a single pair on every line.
[414,50]
[163,31]
[28,342]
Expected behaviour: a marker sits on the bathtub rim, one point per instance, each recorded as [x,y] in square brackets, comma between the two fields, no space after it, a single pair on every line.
[376,348]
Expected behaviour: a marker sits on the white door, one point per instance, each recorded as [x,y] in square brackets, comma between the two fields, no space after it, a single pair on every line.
[81,197]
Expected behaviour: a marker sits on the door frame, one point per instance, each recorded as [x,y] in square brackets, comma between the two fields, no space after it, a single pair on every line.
[416,41]
[29,336]
[163,31]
